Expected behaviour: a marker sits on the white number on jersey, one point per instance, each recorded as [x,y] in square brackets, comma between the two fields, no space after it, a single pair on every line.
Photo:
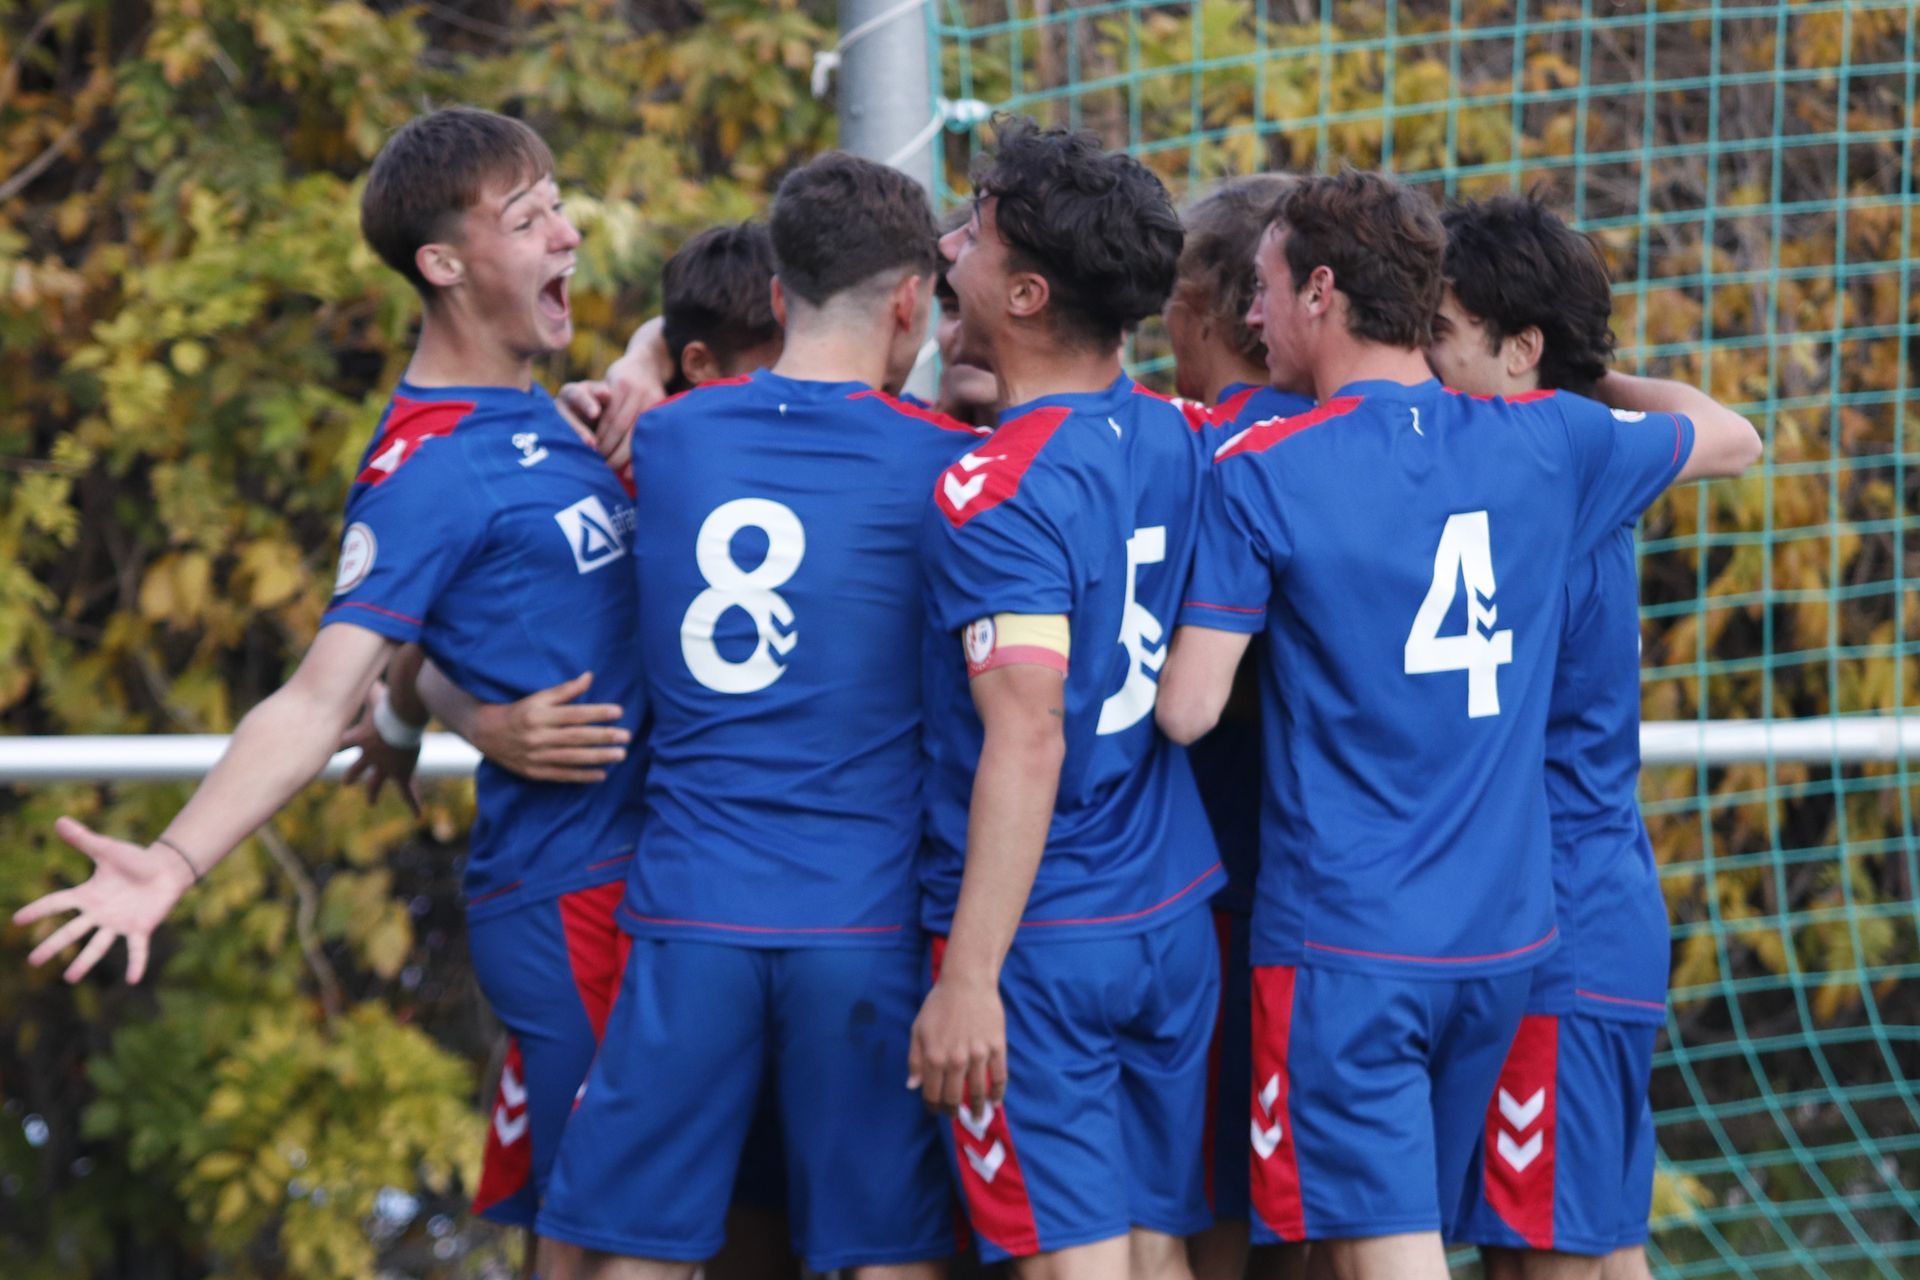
[1140,633]
[1465,552]
[731,587]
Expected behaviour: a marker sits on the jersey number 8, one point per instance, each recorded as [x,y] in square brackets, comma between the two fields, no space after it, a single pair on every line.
[754,590]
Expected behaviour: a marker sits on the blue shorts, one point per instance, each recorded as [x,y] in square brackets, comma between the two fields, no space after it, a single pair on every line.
[1570,1129]
[1368,1093]
[1229,1072]
[648,1164]
[550,970]
[1103,1124]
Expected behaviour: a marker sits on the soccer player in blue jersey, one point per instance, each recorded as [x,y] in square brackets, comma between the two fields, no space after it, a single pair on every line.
[1562,1181]
[1405,551]
[1069,864]
[772,900]
[1220,368]
[482,527]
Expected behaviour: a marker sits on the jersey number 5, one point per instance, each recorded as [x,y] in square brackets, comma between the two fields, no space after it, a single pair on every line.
[754,590]
[1465,552]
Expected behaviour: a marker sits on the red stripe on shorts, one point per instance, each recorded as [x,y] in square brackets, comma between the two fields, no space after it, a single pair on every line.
[1519,1156]
[596,948]
[1275,1162]
[990,1178]
[507,1164]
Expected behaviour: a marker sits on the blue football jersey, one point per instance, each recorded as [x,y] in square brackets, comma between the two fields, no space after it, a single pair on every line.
[1083,505]
[1614,955]
[1405,551]
[1226,763]
[777,549]
[482,527]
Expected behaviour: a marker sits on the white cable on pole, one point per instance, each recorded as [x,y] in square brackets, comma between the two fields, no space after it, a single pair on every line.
[827,61]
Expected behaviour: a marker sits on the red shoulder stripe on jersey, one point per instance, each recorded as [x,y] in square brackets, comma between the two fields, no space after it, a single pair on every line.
[1525,397]
[410,424]
[1197,415]
[990,473]
[1262,436]
[1229,409]
[738,379]
[933,416]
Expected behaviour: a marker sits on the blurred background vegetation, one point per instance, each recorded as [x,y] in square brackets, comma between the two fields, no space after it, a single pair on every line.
[194,346]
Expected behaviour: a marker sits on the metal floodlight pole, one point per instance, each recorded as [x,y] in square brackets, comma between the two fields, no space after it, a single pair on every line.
[887,111]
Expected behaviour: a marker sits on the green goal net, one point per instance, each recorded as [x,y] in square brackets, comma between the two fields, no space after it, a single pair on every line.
[1749,171]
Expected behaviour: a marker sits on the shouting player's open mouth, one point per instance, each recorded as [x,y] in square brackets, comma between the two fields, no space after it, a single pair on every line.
[554,304]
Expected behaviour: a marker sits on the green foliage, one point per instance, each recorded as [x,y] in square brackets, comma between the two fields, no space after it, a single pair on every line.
[194,344]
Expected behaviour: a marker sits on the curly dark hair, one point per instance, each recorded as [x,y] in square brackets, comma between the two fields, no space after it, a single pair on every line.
[840,220]
[1384,244]
[715,290]
[1097,224]
[1223,230]
[1513,263]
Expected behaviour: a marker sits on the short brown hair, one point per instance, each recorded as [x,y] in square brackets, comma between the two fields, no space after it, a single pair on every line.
[1384,244]
[433,169]
[1216,264]
[716,290]
[841,220]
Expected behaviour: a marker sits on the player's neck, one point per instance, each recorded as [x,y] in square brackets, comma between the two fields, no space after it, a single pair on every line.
[453,354]
[1233,373]
[1347,359]
[833,355]
[1035,369]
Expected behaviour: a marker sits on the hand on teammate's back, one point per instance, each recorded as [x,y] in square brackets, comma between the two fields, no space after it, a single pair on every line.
[548,737]
[633,386]
[379,761]
[129,893]
[581,404]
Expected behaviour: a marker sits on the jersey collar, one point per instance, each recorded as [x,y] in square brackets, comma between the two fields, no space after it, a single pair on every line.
[1386,389]
[1102,401]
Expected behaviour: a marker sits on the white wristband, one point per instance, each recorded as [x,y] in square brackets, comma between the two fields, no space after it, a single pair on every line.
[394,731]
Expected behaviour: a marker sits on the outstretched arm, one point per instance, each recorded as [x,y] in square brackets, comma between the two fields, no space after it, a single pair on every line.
[1724,442]
[279,747]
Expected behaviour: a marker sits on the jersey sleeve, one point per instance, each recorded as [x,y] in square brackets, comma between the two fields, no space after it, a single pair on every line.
[1242,545]
[1010,559]
[408,534]
[1624,459]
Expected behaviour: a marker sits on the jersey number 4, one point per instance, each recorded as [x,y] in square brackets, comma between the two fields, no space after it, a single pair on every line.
[753,590]
[1465,554]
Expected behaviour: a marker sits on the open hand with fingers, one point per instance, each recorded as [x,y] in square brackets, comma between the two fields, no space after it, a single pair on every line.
[548,737]
[379,761]
[130,892]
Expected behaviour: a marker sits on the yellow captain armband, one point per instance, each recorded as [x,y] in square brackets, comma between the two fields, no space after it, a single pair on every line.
[1017,639]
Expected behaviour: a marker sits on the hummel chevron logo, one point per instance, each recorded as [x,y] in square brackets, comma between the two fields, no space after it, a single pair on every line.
[512,1090]
[986,1166]
[977,1127]
[1266,1141]
[961,494]
[973,461]
[1521,1115]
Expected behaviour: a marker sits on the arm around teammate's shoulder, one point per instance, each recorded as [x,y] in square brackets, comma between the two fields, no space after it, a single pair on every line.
[1197,681]
[1724,442]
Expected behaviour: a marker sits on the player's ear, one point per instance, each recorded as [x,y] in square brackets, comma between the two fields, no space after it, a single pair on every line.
[779,296]
[1522,351]
[1319,291]
[699,364]
[440,265]
[1027,294]
[910,296]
